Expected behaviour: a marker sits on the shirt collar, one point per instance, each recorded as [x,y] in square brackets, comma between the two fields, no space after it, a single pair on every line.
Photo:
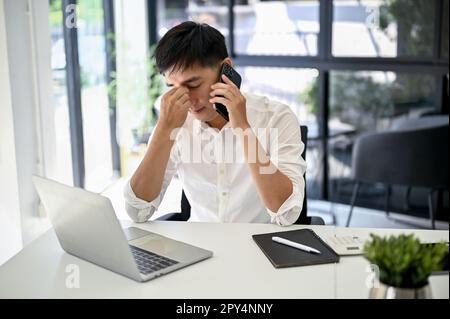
[200,127]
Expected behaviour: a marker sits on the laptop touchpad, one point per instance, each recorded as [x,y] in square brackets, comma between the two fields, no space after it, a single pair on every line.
[156,244]
[134,232]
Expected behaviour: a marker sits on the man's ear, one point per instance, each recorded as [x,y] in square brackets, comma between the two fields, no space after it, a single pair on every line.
[227,61]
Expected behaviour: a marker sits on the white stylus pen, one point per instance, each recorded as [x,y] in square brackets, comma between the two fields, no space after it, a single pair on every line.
[295,245]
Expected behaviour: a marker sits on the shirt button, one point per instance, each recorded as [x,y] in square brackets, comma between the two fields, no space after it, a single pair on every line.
[224,194]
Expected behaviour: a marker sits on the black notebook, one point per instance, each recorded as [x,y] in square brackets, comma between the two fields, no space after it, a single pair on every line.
[285,256]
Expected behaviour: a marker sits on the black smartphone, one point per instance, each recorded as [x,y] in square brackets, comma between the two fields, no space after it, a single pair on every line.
[236,79]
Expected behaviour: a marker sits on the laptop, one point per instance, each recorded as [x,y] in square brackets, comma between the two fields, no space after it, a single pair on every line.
[86,226]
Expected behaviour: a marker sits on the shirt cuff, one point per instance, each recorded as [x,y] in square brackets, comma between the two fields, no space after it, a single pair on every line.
[289,211]
[138,209]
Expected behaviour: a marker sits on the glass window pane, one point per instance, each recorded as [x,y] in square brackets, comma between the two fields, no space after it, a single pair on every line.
[362,102]
[296,88]
[95,109]
[277,27]
[445,26]
[383,28]
[173,12]
[137,80]
[374,101]
[62,124]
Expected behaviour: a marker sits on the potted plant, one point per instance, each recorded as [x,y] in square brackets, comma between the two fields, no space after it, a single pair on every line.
[403,265]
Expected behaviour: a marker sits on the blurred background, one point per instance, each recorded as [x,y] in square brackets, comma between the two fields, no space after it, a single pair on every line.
[88,95]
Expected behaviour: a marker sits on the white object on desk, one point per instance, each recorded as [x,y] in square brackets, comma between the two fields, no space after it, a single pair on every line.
[293,244]
[346,245]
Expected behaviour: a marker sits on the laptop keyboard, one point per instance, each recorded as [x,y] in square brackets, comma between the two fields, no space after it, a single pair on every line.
[148,262]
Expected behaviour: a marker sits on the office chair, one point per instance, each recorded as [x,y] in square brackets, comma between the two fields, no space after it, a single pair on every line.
[303,219]
[414,154]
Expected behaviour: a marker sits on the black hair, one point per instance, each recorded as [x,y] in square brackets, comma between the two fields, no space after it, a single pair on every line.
[189,43]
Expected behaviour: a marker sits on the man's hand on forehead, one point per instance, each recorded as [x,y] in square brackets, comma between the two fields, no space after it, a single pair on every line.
[174,107]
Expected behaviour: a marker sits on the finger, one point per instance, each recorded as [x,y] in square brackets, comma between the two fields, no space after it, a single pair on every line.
[185,97]
[170,92]
[222,92]
[186,105]
[220,100]
[220,85]
[228,81]
[179,92]
[233,88]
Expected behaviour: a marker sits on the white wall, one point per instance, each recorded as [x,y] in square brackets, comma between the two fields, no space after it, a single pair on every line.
[29,113]
[10,229]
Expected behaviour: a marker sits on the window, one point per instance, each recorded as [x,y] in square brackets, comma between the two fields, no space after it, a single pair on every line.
[277,28]
[95,171]
[374,101]
[62,123]
[362,102]
[171,13]
[94,94]
[135,99]
[294,87]
[282,39]
[287,33]
[382,28]
[444,32]
[277,31]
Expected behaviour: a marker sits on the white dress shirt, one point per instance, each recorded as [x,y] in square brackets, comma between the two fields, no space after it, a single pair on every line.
[218,183]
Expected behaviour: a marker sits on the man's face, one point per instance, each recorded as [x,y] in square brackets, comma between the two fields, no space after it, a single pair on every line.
[198,81]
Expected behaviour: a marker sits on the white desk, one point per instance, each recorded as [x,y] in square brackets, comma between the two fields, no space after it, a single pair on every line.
[238,269]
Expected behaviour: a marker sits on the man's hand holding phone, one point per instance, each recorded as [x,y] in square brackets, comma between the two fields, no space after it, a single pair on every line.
[175,105]
[229,95]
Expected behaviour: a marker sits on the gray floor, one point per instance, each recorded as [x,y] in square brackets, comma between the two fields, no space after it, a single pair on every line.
[362,217]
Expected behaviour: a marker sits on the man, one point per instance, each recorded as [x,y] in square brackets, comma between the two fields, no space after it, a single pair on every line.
[260,177]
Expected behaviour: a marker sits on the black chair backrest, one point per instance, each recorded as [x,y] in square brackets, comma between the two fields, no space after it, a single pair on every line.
[408,157]
[185,207]
[303,218]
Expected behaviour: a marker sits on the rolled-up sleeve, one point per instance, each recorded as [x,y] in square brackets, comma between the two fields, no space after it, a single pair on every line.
[140,210]
[286,148]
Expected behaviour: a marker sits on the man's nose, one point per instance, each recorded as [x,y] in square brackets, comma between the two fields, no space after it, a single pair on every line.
[193,97]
